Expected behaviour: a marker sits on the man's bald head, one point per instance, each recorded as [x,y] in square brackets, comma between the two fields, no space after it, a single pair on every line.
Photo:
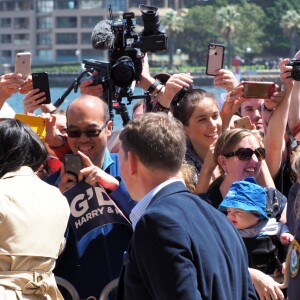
[87,104]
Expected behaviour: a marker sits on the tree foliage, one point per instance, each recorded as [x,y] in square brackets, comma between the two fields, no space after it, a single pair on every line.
[257,28]
[198,32]
[174,23]
[290,23]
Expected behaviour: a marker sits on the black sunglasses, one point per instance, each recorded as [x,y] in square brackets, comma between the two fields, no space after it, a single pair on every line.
[246,153]
[89,133]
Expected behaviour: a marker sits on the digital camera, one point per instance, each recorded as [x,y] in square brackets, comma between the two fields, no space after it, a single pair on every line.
[295,63]
[124,66]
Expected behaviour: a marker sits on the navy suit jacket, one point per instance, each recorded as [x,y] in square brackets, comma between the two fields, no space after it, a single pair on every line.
[183,248]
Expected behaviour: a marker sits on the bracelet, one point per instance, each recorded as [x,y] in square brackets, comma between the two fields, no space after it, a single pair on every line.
[153,86]
[265,108]
[159,108]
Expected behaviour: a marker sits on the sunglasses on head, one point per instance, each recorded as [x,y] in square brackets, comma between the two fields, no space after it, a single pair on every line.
[76,133]
[247,153]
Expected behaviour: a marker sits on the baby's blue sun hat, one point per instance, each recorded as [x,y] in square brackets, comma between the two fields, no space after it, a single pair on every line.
[246,195]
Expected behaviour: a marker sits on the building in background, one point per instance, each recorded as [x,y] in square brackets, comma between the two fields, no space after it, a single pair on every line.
[57,31]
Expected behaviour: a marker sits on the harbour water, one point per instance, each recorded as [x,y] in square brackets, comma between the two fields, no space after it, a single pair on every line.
[16,101]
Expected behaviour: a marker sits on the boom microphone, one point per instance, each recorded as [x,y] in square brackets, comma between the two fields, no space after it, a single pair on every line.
[102,36]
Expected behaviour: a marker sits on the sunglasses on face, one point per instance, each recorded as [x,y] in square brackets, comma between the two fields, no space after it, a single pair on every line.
[247,153]
[72,133]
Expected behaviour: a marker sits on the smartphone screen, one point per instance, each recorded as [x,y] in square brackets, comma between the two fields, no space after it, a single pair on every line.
[23,64]
[215,58]
[73,164]
[263,90]
[41,81]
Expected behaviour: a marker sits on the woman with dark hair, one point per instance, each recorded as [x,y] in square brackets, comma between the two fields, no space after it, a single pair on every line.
[198,111]
[33,217]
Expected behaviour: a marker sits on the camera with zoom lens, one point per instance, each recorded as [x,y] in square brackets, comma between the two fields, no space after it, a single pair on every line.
[295,63]
[125,55]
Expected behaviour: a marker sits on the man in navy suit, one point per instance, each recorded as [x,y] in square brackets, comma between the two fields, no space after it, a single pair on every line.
[182,248]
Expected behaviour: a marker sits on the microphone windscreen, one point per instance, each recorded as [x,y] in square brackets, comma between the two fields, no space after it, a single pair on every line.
[102,36]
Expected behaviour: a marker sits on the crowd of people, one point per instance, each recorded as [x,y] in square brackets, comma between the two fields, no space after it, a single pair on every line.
[212,210]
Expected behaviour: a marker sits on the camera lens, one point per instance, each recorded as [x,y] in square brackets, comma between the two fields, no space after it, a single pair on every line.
[123,72]
[150,18]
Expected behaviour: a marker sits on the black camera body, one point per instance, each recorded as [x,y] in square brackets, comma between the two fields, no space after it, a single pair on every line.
[125,55]
[295,63]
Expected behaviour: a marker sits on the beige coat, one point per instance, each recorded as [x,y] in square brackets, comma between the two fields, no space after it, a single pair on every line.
[33,220]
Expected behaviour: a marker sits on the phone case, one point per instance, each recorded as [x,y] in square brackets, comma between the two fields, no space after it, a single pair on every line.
[244,123]
[41,81]
[23,64]
[215,58]
[37,124]
[257,89]
[73,163]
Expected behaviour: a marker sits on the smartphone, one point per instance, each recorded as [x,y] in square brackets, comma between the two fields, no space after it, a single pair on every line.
[244,123]
[215,58]
[73,164]
[41,81]
[257,89]
[23,64]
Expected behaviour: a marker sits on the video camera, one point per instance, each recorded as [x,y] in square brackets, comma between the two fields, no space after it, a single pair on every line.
[295,63]
[125,51]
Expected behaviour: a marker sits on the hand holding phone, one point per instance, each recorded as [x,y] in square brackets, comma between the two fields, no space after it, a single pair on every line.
[23,64]
[244,123]
[257,89]
[40,81]
[215,58]
[73,164]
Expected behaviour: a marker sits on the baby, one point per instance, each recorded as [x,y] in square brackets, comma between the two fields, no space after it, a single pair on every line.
[245,204]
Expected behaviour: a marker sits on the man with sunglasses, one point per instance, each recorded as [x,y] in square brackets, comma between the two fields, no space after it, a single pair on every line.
[96,259]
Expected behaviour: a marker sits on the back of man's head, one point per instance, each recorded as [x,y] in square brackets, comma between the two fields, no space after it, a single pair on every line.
[157,140]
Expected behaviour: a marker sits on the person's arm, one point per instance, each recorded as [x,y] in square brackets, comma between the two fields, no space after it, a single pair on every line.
[231,105]
[294,111]
[274,138]
[264,177]
[225,79]
[114,185]
[266,286]
[174,85]
[33,100]
[206,174]
[268,107]
[9,84]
